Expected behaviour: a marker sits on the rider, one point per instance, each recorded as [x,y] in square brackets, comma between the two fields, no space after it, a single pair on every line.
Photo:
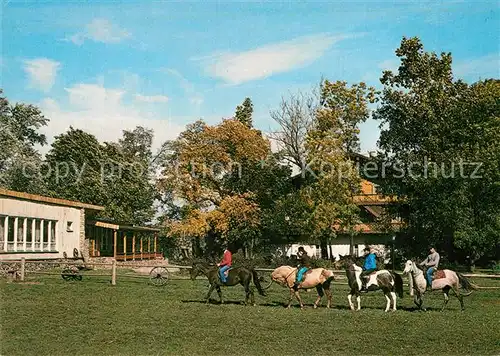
[225,264]
[369,266]
[432,263]
[304,265]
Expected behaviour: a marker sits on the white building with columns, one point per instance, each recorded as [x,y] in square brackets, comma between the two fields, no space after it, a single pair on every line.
[39,227]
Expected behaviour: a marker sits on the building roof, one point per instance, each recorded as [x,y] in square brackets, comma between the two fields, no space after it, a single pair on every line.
[48,200]
[120,226]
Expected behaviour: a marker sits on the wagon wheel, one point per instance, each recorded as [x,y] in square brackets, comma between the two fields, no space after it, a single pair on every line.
[266,281]
[69,273]
[158,276]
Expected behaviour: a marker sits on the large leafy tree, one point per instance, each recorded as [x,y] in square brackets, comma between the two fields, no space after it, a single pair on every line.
[319,133]
[226,176]
[115,175]
[20,162]
[436,131]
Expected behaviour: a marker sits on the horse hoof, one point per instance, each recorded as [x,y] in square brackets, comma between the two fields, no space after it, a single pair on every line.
[315,306]
[254,305]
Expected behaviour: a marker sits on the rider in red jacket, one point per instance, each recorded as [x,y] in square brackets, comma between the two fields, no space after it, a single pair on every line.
[225,264]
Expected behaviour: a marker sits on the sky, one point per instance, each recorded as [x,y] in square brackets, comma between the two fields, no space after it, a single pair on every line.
[108,66]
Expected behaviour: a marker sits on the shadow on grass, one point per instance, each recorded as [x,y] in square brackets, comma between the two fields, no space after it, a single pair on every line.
[216,302]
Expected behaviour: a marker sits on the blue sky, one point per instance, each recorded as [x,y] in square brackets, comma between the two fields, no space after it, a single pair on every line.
[107,66]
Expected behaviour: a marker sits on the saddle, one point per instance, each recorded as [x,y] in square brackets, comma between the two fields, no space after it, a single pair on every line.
[439,274]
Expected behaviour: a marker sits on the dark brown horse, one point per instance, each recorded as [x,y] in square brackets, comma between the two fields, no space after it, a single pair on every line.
[237,275]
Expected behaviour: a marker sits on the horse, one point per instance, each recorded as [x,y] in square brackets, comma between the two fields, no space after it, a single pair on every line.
[236,275]
[445,280]
[317,277]
[390,283]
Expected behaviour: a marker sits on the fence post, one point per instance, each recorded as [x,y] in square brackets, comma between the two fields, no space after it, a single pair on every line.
[23,265]
[113,273]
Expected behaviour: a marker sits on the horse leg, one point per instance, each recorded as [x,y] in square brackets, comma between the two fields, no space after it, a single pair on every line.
[446,290]
[290,299]
[297,295]
[388,305]
[219,292]
[349,298]
[329,297]
[456,290]
[249,293]
[210,290]
[393,295]
[358,299]
[319,288]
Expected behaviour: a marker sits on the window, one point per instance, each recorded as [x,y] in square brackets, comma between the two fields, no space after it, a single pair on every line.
[52,236]
[2,231]
[38,232]
[69,226]
[23,234]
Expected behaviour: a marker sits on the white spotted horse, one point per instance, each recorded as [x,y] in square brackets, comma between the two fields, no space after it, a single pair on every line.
[445,280]
[390,283]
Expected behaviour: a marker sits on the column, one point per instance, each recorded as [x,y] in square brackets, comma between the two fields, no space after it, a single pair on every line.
[115,241]
[49,236]
[25,232]
[141,248]
[33,234]
[42,222]
[15,233]
[133,247]
[125,246]
[6,234]
[156,236]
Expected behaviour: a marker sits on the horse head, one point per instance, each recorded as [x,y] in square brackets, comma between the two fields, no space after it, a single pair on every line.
[408,267]
[197,268]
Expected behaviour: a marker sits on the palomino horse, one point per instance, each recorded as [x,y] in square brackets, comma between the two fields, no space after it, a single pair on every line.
[444,279]
[317,277]
[237,275]
[388,282]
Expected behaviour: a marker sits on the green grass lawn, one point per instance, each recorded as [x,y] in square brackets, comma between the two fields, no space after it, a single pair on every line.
[133,318]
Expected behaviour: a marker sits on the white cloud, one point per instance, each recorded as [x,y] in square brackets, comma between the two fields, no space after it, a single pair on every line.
[239,67]
[102,112]
[100,30]
[195,97]
[390,64]
[476,68]
[42,72]
[151,98]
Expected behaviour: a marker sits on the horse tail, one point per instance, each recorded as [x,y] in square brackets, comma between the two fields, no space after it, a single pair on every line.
[398,282]
[466,285]
[256,281]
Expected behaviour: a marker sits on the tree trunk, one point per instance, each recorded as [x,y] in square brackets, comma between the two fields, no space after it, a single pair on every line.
[324,247]
[351,244]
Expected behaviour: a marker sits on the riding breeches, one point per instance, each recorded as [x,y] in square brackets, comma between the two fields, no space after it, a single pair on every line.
[300,274]
[222,271]
[428,274]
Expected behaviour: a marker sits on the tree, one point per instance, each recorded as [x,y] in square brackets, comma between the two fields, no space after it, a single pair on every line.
[435,132]
[319,132]
[115,175]
[75,162]
[330,141]
[227,176]
[244,113]
[295,116]
[20,162]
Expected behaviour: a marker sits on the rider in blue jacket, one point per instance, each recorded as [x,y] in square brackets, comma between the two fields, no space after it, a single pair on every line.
[369,266]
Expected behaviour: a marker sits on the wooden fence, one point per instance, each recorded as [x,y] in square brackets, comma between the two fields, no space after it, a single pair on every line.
[22,271]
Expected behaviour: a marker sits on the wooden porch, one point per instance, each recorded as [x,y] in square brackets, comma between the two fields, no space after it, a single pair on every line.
[123,242]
